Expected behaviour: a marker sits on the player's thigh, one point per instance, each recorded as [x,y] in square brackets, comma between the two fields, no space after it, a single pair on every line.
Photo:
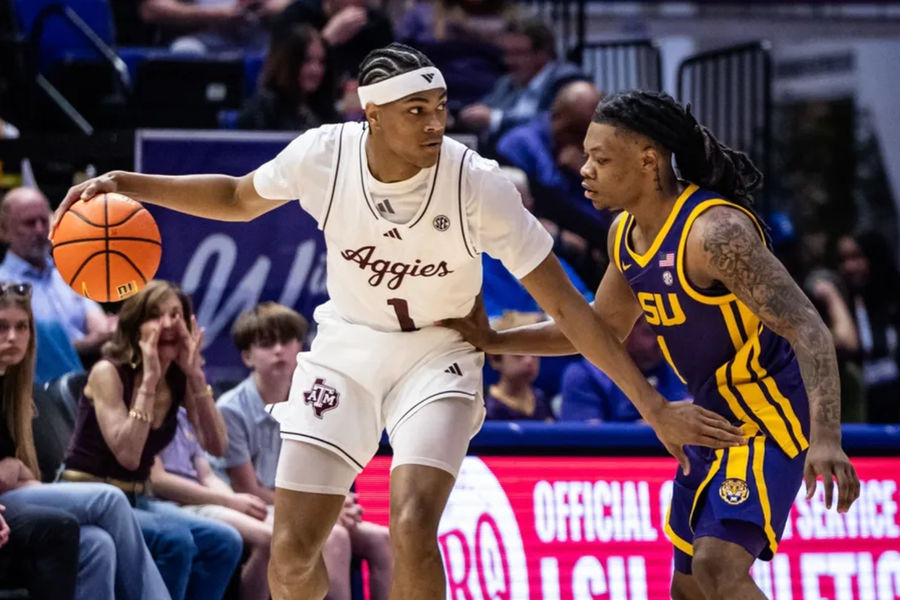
[436,435]
[311,484]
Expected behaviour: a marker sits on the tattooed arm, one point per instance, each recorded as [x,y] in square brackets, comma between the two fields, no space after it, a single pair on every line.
[725,246]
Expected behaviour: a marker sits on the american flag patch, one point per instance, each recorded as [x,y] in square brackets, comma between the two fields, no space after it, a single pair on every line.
[666,259]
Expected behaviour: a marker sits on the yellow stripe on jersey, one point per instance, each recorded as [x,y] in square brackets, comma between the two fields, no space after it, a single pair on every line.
[759,453]
[731,324]
[644,259]
[677,541]
[617,258]
[748,319]
[679,260]
[755,398]
[777,396]
[713,469]
[738,459]
[749,426]
[668,356]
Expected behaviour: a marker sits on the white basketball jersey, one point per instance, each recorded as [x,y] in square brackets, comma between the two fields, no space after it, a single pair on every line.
[399,277]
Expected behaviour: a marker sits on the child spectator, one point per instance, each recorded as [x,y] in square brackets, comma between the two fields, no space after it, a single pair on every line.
[514,397]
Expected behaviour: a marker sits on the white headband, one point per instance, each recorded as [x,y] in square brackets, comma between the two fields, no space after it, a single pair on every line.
[400,86]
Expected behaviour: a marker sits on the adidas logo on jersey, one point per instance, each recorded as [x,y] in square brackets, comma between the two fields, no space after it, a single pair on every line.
[453,369]
[428,77]
[385,207]
[393,233]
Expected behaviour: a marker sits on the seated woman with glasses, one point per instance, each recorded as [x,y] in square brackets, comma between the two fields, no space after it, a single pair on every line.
[128,413]
[113,559]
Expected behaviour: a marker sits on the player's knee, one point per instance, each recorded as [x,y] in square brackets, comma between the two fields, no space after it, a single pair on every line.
[414,522]
[715,577]
[294,549]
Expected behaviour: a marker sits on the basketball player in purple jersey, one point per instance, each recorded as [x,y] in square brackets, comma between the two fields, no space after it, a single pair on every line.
[405,213]
[691,256]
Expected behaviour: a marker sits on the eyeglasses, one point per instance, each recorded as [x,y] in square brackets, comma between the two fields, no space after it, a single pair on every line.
[20,289]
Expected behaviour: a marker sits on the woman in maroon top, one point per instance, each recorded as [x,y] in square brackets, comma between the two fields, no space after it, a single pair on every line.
[128,413]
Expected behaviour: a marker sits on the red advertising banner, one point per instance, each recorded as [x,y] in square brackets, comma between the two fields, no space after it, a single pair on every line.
[575,528]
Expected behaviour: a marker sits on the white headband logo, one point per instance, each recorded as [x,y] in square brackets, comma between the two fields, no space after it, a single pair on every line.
[400,86]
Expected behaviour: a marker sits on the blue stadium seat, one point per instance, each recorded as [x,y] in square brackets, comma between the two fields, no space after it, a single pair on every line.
[60,38]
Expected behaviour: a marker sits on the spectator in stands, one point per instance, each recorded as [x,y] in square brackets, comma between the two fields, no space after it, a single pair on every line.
[500,290]
[113,560]
[589,395]
[350,28]
[201,26]
[128,413]
[38,551]
[514,397]
[824,289]
[869,273]
[67,324]
[182,474]
[549,148]
[535,77]
[269,337]
[296,91]
[461,38]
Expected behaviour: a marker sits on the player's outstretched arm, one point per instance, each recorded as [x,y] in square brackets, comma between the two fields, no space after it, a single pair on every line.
[675,423]
[724,245]
[219,197]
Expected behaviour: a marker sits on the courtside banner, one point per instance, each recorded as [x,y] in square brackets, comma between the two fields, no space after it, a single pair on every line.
[561,528]
[230,267]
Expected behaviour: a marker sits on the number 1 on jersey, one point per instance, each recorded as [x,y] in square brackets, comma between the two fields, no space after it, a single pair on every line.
[401,309]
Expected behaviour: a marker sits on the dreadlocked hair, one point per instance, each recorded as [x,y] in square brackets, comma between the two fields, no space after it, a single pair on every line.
[389,61]
[700,157]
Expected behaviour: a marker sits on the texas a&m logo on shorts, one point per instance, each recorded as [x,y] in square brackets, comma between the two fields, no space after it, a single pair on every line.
[322,397]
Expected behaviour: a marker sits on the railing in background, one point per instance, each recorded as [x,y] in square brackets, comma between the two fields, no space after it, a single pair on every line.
[730,92]
[623,65]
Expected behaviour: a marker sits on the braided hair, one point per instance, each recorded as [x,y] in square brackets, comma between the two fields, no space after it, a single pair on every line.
[700,157]
[389,61]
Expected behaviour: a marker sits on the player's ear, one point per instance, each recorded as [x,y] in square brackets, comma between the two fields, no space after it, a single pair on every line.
[650,158]
[245,356]
[373,116]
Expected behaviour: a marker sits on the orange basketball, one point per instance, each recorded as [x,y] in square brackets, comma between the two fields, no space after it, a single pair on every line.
[107,248]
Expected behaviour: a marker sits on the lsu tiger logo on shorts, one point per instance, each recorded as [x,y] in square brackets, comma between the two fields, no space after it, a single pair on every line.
[734,491]
[322,397]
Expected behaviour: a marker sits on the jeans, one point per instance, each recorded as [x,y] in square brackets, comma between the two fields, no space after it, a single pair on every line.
[42,552]
[114,562]
[195,556]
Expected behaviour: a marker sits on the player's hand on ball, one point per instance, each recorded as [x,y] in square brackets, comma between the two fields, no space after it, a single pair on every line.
[684,423]
[828,460]
[474,327]
[83,191]
[151,369]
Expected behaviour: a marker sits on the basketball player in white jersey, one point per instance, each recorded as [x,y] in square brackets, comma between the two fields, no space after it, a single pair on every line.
[406,213]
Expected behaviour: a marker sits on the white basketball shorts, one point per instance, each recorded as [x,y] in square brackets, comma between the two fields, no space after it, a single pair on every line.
[356,382]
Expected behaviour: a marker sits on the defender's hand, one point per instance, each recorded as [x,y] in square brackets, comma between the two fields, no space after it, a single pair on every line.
[828,460]
[474,327]
[684,423]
